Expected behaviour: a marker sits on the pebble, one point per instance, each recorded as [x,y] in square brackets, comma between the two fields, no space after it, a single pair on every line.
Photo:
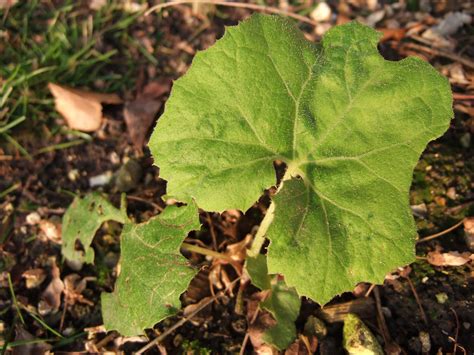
[321,13]
[128,176]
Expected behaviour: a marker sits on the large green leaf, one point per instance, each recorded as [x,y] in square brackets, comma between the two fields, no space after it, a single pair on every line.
[82,220]
[153,271]
[349,125]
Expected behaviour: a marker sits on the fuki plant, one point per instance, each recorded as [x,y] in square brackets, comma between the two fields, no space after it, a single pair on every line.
[349,127]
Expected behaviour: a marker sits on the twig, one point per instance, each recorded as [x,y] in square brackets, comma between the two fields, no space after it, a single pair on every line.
[417,298]
[255,7]
[168,331]
[207,252]
[462,97]
[380,317]
[371,288]
[440,53]
[446,231]
[144,200]
[212,230]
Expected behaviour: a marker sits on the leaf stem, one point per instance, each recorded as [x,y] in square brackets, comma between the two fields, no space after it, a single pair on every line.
[207,252]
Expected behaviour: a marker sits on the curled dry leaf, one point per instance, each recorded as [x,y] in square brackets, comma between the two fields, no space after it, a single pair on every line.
[50,231]
[34,277]
[74,286]
[51,296]
[81,109]
[452,258]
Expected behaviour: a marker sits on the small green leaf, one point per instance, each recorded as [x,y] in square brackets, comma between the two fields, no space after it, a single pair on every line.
[258,271]
[283,302]
[153,271]
[82,220]
[349,125]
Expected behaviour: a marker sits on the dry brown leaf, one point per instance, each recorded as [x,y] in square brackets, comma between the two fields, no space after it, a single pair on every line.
[74,285]
[303,345]
[34,277]
[452,258]
[51,296]
[140,115]
[50,231]
[30,344]
[81,109]
[156,88]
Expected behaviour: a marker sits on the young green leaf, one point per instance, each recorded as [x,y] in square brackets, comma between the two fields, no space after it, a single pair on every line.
[153,271]
[349,125]
[82,220]
[283,302]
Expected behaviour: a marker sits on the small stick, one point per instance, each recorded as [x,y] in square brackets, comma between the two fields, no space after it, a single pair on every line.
[168,331]
[255,7]
[422,312]
[440,53]
[144,200]
[212,230]
[371,288]
[380,317]
[433,236]
[207,252]
[461,97]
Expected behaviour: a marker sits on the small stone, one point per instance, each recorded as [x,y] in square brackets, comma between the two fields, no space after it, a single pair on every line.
[100,180]
[73,174]
[465,140]
[466,325]
[75,265]
[425,342]
[441,297]
[321,13]
[469,232]
[128,176]
[358,339]
[425,279]
[33,218]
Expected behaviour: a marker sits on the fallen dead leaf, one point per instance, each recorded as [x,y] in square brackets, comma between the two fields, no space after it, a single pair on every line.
[81,109]
[34,277]
[452,258]
[74,285]
[51,296]
[140,115]
[28,343]
[50,231]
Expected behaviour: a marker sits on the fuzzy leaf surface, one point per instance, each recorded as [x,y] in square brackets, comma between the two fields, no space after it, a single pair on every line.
[153,271]
[349,125]
[82,220]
